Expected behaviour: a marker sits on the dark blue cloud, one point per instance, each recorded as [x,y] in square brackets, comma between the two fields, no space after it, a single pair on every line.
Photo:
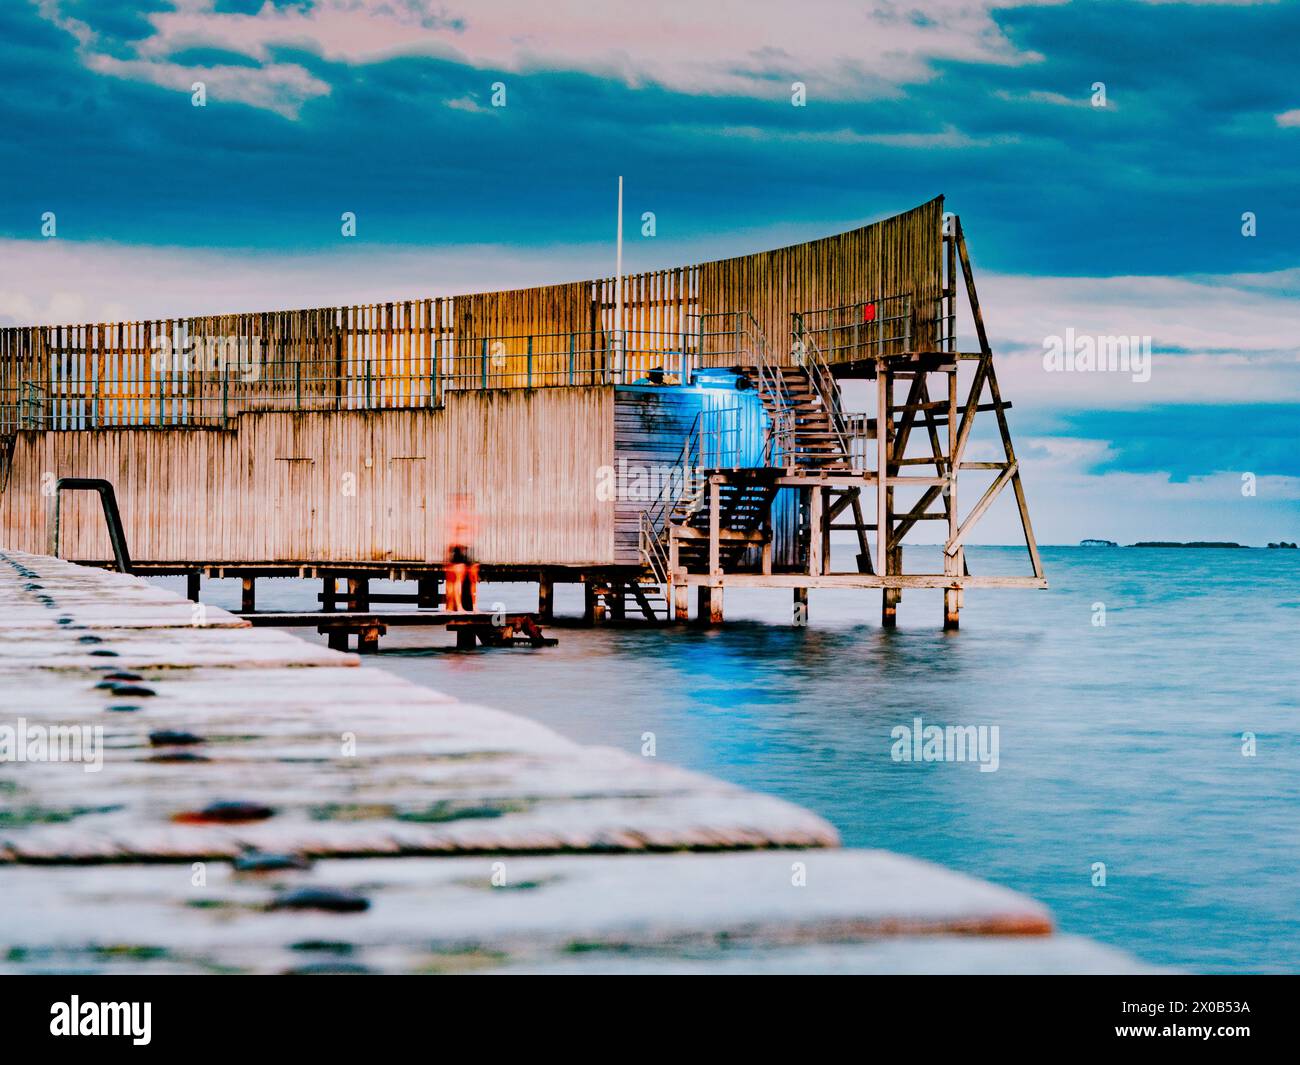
[1184,441]
[1154,185]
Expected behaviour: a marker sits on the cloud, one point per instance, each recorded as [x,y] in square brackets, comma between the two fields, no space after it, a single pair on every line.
[62,281]
[947,137]
[1215,338]
[279,87]
[754,49]
[1040,96]
[1289,118]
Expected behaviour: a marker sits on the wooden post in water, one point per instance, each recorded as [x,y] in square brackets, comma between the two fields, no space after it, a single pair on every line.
[368,639]
[545,598]
[594,606]
[884,526]
[677,588]
[328,592]
[816,541]
[358,593]
[192,586]
[709,604]
[248,595]
[952,564]
[800,608]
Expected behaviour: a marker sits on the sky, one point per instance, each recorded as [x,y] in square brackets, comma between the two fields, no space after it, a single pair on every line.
[1115,214]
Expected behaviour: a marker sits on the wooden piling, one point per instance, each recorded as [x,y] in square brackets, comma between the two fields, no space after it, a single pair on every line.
[545,598]
[593,612]
[192,586]
[248,595]
[709,608]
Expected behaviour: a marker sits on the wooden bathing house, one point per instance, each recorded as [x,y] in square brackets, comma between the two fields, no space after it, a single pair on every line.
[702,440]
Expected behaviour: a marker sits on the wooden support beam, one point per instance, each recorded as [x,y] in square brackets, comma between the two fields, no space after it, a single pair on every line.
[709,609]
[192,586]
[864,550]
[681,601]
[368,638]
[715,526]
[882,469]
[990,494]
[954,562]
[593,611]
[248,595]
[884,520]
[972,296]
[799,611]
[1026,525]
[816,534]
[545,598]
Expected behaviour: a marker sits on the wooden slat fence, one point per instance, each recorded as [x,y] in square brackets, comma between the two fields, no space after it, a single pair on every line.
[406,354]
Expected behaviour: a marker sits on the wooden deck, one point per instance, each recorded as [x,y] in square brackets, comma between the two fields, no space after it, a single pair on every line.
[245,773]
[485,627]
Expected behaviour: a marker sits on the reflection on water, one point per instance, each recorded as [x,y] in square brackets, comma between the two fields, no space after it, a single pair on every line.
[1118,744]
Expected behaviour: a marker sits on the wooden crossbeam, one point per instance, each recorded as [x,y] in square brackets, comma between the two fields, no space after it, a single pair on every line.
[990,494]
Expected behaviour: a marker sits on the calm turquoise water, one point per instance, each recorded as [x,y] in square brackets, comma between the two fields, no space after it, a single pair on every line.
[1119,744]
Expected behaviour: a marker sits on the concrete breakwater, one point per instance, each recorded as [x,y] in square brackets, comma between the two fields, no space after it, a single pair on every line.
[182,793]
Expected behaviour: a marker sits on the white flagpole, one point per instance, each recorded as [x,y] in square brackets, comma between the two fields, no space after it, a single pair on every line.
[618,285]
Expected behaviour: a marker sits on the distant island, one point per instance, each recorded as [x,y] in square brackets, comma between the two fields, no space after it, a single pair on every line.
[1092,542]
[1189,543]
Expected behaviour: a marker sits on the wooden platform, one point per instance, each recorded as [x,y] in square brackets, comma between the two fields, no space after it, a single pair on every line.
[490,629]
[240,769]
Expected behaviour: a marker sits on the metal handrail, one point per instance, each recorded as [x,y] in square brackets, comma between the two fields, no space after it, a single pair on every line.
[778,443]
[691,460]
[654,556]
[847,334]
[112,516]
[809,355]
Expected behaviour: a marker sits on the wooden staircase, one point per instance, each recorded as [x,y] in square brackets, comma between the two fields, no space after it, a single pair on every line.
[806,435]
[744,503]
[805,430]
[645,594]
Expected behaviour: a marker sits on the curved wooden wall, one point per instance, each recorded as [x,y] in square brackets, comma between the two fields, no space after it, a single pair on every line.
[408,353]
